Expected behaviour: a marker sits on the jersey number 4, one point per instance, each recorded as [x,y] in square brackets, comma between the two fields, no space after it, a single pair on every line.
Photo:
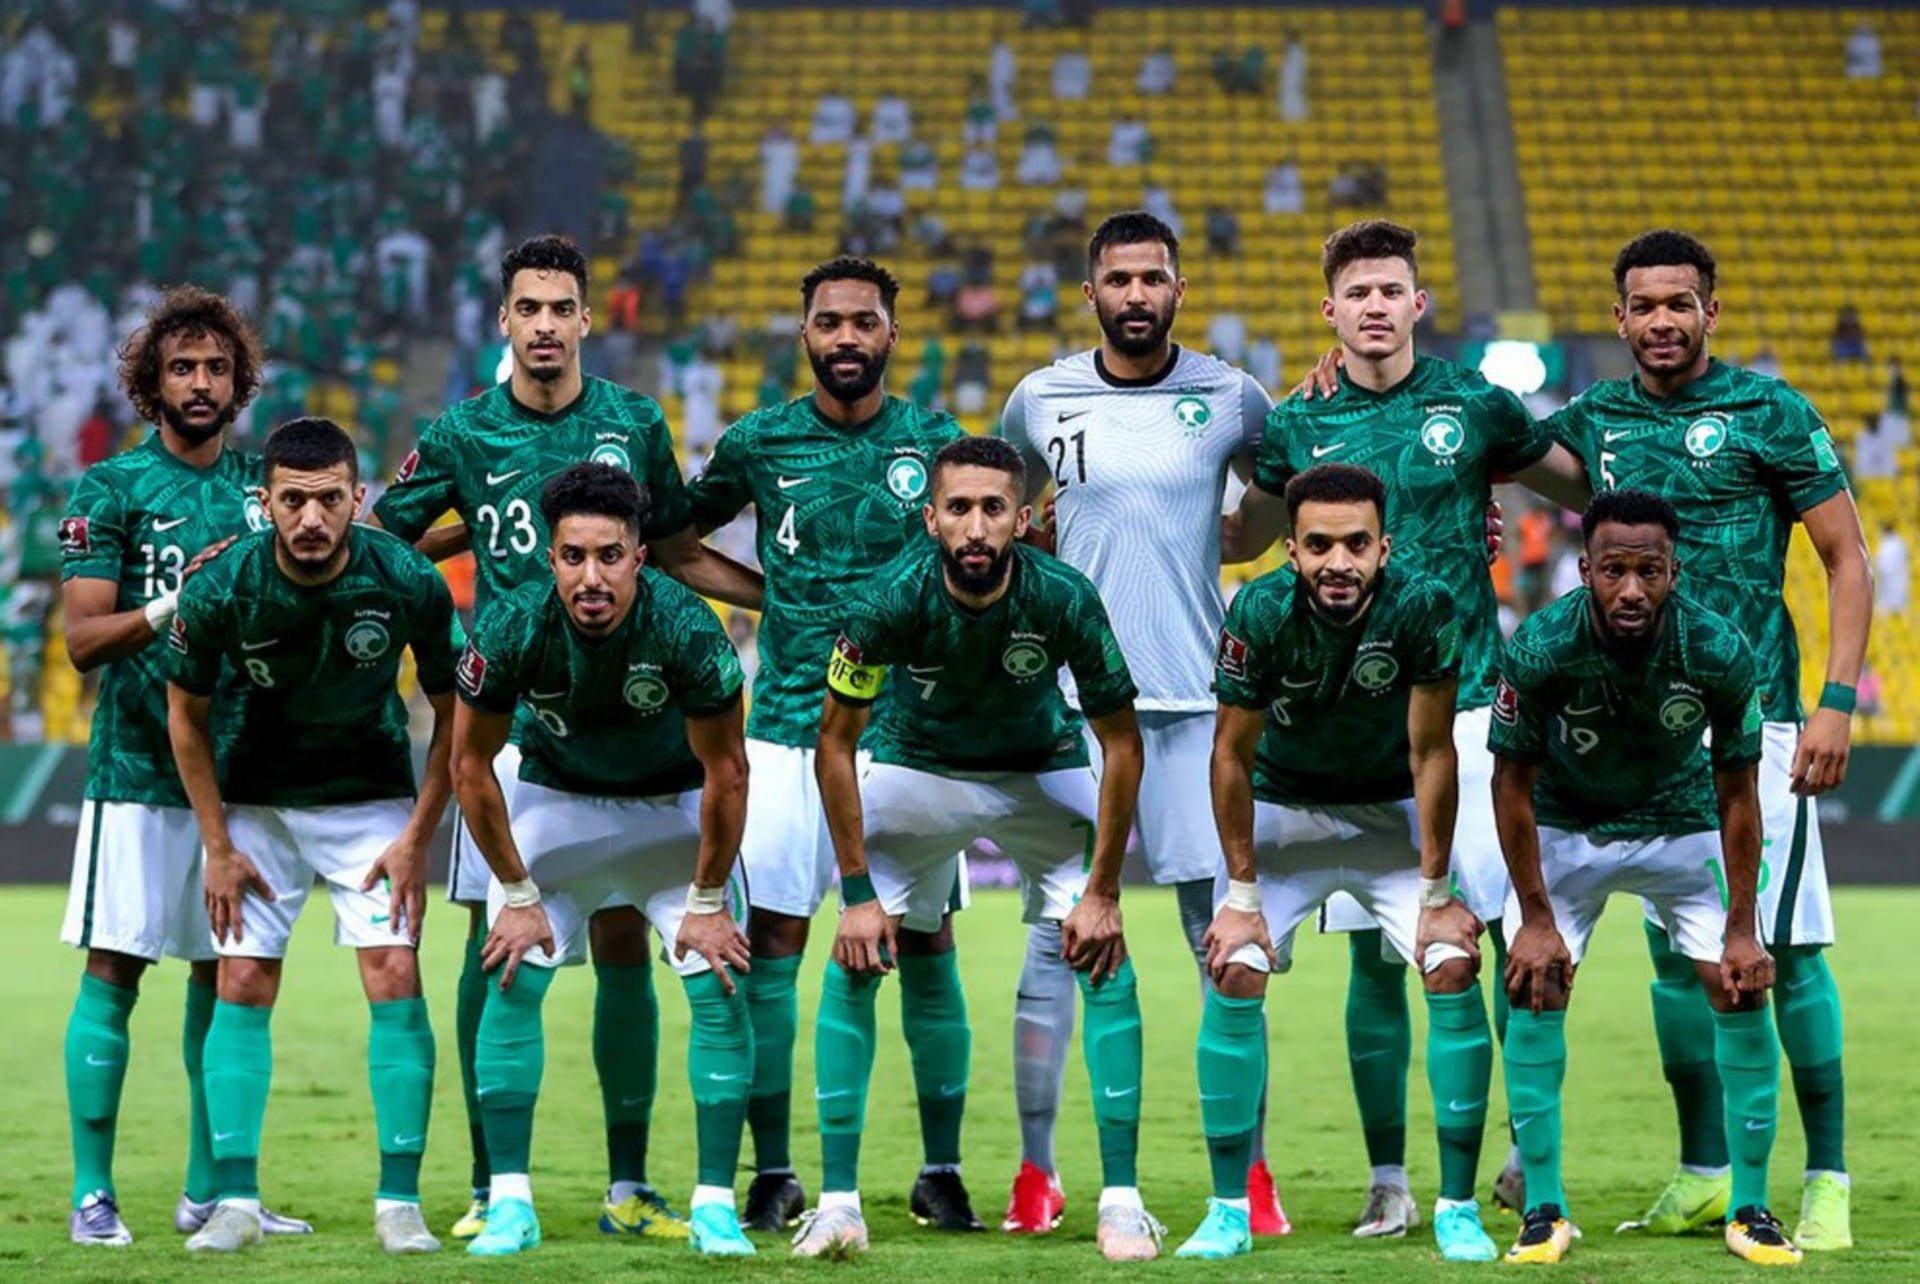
[1060,450]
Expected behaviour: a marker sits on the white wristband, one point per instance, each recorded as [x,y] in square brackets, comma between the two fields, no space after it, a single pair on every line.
[160,611]
[1434,892]
[521,894]
[1244,897]
[706,900]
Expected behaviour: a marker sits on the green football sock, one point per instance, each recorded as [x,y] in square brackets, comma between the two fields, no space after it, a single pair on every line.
[933,1017]
[1232,1063]
[1683,1027]
[239,1053]
[1110,1039]
[843,1042]
[626,1053]
[471,1002]
[720,1069]
[96,1057]
[1807,1007]
[1459,1071]
[773,1007]
[509,1057]
[1379,1046]
[400,1059]
[193,1045]
[1748,1055]
[1536,1060]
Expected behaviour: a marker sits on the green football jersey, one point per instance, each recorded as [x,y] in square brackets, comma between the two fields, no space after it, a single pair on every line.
[1739,456]
[489,457]
[603,716]
[137,519]
[320,720]
[979,691]
[1436,439]
[1619,745]
[834,506]
[1336,696]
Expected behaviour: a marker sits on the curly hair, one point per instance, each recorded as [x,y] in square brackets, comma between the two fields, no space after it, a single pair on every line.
[188,312]
[1371,238]
[543,254]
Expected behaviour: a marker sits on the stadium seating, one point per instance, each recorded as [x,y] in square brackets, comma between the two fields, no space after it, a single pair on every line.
[1741,126]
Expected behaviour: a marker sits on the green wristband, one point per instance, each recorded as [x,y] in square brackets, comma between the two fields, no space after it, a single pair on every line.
[856,889]
[1839,697]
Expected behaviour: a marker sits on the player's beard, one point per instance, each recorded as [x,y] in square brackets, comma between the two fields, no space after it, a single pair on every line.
[547,373]
[976,583]
[1114,326]
[308,559]
[195,433]
[872,370]
[1629,644]
[1341,616]
[1692,346]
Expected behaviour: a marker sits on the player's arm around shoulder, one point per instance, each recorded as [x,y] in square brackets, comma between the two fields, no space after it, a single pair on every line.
[1260,518]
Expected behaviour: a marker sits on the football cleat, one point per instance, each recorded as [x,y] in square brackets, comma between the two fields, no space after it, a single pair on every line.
[713,1230]
[1689,1202]
[97,1222]
[1037,1203]
[774,1202]
[1826,1219]
[189,1217]
[1263,1198]
[473,1221]
[1510,1188]
[1754,1234]
[940,1200]
[1460,1236]
[1390,1211]
[644,1214]
[1223,1233]
[831,1232]
[512,1228]
[230,1229]
[400,1229]
[1128,1234]
[1545,1236]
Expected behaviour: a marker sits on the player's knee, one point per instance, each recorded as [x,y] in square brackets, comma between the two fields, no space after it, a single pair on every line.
[123,970]
[618,937]
[1454,976]
[389,973]
[1242,982]
[204,971]
[773,935]
[253,983]
[921,944]
[1553,994]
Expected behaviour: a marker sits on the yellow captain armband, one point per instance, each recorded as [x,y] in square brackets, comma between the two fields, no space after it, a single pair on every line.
[851,680]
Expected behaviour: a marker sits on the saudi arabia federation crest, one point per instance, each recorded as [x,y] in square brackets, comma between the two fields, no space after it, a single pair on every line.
[1680,712]
[1024,659]
[1376,672]
[1192,414]
[1442,434]
[612,452]
[645,692]
[907,477]
[256,515]
[1705,436]
[367,641]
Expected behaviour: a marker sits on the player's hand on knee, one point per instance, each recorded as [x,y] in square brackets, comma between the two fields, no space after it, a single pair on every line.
[865,944]
[1449,924]
[1745,965]
[1538,965]
[517,930]
[717,939]
[1231,931]
[1820,759]
[404,867]
[1092,939]
[229,875]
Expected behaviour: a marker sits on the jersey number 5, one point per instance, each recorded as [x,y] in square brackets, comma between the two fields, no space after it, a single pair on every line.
[1057,447]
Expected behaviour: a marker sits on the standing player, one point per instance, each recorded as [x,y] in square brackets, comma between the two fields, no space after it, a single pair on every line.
[318,784]
[140,525]
[1435,433]
[633,783]
[1602,784]
[1334,754]
[838,480]
[487,458]
[975,740]
[1135,437]
[1739,456]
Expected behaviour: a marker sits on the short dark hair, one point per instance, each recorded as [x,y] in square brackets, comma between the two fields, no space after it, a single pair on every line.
[1664,247]
[984,452]
[1131,227]
[1336,484]
[598,490]
[1628,508]
[549,253]
[1370,238]
[189,312]
[309,444]
[848,267]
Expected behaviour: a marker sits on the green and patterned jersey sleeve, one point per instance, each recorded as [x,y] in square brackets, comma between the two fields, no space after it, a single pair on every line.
[1436,636]
[489,672]
[668,510]
[1271,471]
[864,646]
[706,670]
[1093,655]
[723,487]
[1798,454]
[433,645]
[1239,667]
[1520,711]
[423,488]
[93,534]
[1568,427]
[194,641]
[1519,440]
[1733,706]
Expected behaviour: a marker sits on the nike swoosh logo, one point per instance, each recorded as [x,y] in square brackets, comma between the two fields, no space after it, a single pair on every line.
[167,526]
[495,479]
[1758,1125]
[951,1090]
[724,1078]
[1572,712]
[1065,415]
[1289,682]
[1609,435]
[1319,451]
[96,1061]
[926,668]
[1518,1123]
[377,918]
[634,1101]
[1216,1096]
[258,646]
[409,1141]
[829,1096]
[1111,1095]
[1368,1056]
[788,483]
[546,695]
[1802,982]
[1464,1108]
[225,1136]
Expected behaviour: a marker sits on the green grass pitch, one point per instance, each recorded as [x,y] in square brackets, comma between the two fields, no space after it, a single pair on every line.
[319,1161]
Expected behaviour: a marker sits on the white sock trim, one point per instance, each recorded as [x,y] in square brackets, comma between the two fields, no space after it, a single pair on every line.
[244,1205]
[704,1195]
[1394,1175]
[1442,1204]
[1706,1170]
[1122,1197]
[620,1191]
[511,1186]
[1242,1203]
[1846,1182]
[839,1199]
[387,1205]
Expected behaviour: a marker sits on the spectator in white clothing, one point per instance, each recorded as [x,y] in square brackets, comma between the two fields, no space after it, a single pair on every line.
[834,119]
[1892,576]
[1039,158]
[1284,192]
[1157,73]
[1863,52]
[1293,80]
[1129,143]
[779,166]
[892,121]
[980,171]
[1072,75]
